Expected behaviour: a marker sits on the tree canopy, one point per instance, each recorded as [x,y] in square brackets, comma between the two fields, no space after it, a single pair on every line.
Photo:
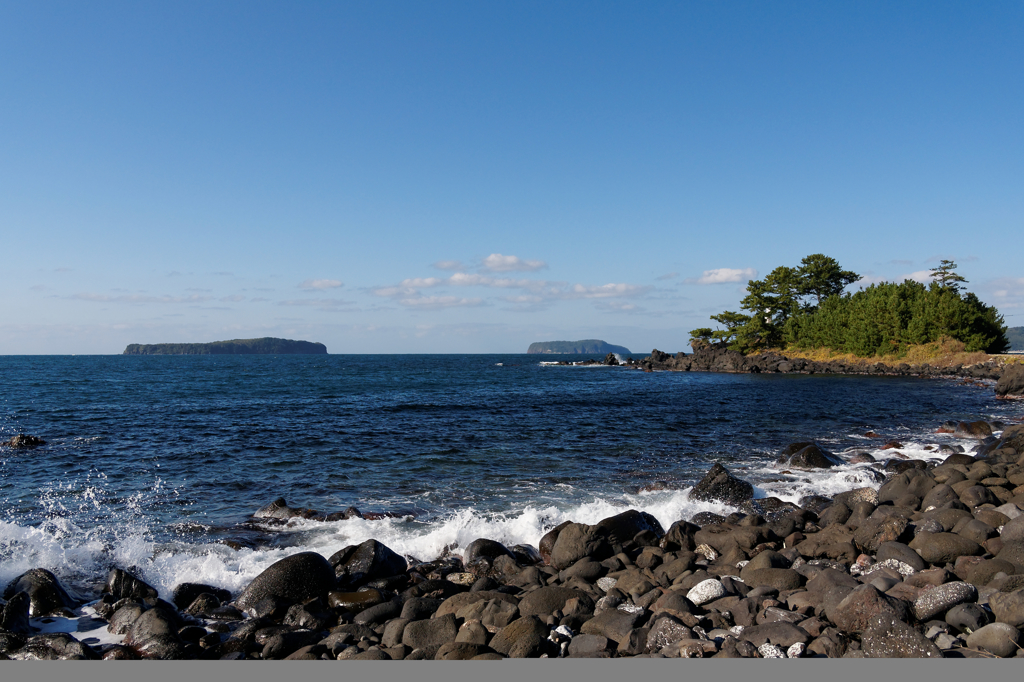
[806,307]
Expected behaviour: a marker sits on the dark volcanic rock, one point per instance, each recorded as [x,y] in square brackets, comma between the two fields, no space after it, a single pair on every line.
[24,441]
[547,600]
[14,617]
[811,457]
[1011,383]
[186,593]
[361,563]
[123,585]
[575,541]
[855,611]
[297,578]
[44,590]
[718,485]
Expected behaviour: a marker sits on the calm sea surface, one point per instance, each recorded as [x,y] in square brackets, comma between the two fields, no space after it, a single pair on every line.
[154,462]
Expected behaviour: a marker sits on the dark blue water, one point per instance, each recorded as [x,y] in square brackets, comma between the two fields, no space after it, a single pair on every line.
[153,456]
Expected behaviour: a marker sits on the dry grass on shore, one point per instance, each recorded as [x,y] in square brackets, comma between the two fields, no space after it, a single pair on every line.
[945,352]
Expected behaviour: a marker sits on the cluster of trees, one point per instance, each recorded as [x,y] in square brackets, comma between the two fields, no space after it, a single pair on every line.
[806,307]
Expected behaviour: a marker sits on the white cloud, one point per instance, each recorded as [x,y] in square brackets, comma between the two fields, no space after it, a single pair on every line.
[671,275]
[496,262]
[725,276]
[922,276]
[328,304]
[437,302]
[233,299]
[607,291]
[138,298]
[449,265]
[319,284]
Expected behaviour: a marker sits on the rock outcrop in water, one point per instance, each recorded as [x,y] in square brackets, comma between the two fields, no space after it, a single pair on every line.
[929,565]
[586,346]
[262,346]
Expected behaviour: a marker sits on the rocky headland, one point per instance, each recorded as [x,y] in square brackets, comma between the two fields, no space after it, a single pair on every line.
[1005,370]
[929,565]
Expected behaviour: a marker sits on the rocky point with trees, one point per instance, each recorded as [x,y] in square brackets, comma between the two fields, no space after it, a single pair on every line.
[805,307]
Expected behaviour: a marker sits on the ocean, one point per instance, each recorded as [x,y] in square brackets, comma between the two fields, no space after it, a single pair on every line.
[157,463]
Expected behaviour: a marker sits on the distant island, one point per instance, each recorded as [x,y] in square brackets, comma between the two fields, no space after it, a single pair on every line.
[263,346]
[1015,335]
[587,346]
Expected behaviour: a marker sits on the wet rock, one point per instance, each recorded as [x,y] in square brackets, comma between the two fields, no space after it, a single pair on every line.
[185,593]
[298,578]
[718,485]
[57,646]
[938,600]
[811,457]
[1000,639]
[575,541]
[46,594]
[358,564]
[23,440]
[547,542]
[123,585]
[15,615]
[623,527]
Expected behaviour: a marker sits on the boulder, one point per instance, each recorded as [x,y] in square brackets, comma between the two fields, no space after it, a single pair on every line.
[1011,382]
[15,613]
[186,593]
[887,636]
[521,638]
[943,548]
[936,601]
[811,457]
[546,600]
[430,634]
[779,633]
[575,541]
[359,564]
[718,485]
[46,594]
[457,602]
[1008,607]
[623,527]
[23,440]
[1000,639]
[615,624]
[298,578]
[123,585]
[855,612]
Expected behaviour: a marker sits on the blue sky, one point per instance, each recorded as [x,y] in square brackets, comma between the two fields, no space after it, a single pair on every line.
[471,177]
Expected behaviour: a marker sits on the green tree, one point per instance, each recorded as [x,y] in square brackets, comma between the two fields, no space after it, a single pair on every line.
[821,277]
[945,278]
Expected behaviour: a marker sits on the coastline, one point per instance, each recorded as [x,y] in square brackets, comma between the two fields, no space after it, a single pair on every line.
[931,564]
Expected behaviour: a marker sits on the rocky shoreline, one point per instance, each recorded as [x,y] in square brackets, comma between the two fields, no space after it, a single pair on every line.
[929,565]
[1009,377]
